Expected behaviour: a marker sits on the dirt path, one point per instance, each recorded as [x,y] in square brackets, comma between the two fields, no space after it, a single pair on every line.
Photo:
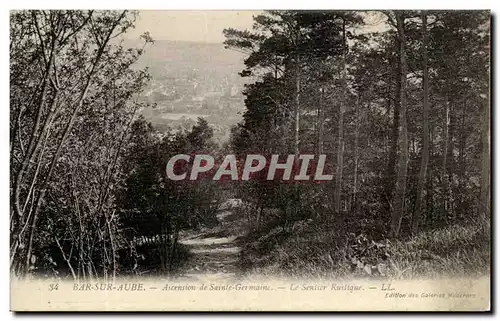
[214,252]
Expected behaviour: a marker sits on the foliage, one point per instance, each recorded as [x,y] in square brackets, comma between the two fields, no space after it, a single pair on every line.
[87,174]
[361,103]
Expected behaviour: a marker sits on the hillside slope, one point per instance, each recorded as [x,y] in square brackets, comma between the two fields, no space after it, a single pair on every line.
[191,80]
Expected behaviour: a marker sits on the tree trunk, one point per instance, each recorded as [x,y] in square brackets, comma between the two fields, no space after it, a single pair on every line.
[445,181]
[321,120]
[425,149]
[429,182]
[484,201]
[35,137]
[450,166]
[356,160]
[393,152]
[340,152]
[400,189]
[297,126]
[297,100]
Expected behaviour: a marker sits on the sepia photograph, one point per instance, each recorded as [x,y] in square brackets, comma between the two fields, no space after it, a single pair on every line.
[236,160]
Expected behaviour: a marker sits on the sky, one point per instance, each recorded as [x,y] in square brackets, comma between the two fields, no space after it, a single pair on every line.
[206,26]
[196,26]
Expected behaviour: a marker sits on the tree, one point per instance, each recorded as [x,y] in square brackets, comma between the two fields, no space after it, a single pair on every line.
[425,148]
[68,85]
[400,189]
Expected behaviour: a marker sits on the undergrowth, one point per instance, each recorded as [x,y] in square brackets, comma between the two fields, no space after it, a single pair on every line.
[313,249]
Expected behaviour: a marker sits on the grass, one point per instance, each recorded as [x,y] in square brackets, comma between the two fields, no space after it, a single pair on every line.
[311,249]
[454,250]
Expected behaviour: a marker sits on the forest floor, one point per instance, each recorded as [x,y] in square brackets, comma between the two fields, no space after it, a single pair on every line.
[214,252]
[316,249]
[227,251]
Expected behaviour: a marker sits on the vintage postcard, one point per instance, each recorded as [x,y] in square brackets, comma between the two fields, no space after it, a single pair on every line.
[272,160]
